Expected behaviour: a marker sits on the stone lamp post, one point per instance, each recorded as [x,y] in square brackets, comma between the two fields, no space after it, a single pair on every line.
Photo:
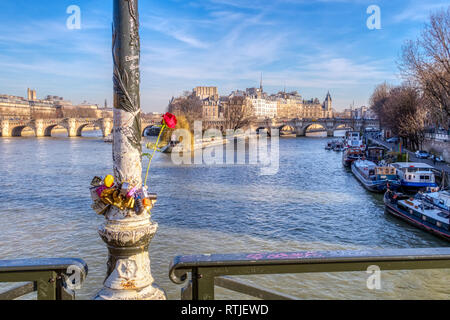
[126,233]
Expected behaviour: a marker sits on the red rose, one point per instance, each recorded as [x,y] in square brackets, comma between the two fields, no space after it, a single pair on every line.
[169,120]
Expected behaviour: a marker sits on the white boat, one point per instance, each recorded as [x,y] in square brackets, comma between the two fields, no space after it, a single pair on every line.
[415,176]
[353,140]
[338,146]
[375,178]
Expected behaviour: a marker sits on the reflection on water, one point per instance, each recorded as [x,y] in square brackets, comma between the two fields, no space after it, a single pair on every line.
[311,204]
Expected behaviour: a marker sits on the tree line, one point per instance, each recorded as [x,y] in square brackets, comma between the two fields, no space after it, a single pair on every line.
[422,101]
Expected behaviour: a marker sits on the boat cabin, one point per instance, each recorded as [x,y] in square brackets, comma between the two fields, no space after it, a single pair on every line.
[354,140]
[415,174]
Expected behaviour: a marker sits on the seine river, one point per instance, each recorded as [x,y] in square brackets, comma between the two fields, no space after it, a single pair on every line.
[313,203]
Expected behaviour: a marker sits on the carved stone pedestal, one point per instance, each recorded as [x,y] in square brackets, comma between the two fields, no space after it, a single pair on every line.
[128,269]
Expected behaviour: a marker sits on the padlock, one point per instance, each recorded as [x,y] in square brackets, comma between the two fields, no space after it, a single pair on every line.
[100,190]
[132,193]
[130,203]
[138,206]
[99,207]
[109,181]
[94,195]
[97,182]
[124,189]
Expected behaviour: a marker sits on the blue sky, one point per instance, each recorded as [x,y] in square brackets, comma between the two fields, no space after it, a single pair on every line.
[308,46]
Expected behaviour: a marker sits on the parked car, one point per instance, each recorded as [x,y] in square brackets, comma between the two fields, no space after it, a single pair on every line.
[437,158]
[392,140]
[422,154]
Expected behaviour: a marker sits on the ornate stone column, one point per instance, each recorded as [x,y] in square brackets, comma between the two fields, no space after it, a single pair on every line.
[126,233]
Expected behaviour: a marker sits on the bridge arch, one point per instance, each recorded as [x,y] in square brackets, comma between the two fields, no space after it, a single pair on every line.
[318,124]
[262,129]
[343,126]
[48,129]
[286,127]
[17,131]
[150,128]
[81,127]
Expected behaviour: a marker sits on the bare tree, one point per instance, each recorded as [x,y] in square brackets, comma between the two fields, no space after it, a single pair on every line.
[237,113]
[189,106]
[379,99]
[404,112]
[426,63]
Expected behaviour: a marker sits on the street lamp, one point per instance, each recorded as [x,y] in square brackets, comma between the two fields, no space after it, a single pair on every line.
[127,232]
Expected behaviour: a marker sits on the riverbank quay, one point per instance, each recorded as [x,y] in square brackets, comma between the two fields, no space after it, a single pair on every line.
[412,157]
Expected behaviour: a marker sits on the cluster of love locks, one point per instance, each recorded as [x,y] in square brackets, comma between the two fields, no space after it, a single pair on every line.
[106,193]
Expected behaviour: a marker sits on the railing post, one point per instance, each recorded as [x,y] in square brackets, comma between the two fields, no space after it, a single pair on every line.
[202,284]
[46,286]
[127,234]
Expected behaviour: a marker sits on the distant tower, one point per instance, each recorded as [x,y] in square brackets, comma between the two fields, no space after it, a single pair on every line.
[106,104]
[260,84]
[31,95]
[328,106]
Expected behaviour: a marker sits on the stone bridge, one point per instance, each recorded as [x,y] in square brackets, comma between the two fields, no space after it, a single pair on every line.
[74,127]
[300,126]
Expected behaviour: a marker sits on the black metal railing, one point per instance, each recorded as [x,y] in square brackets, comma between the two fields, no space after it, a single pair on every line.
[53,279]
[205,270]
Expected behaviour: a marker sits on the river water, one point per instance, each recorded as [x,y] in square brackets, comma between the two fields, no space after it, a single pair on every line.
[313,203]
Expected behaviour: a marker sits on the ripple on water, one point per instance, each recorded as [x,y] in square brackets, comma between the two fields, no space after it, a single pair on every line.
[311,204]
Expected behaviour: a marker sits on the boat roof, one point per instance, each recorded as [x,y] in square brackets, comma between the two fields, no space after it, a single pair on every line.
[432,212]
[412,165]
[366,163]
[441,195]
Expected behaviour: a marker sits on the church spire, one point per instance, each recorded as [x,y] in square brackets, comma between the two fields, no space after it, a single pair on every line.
[261,83]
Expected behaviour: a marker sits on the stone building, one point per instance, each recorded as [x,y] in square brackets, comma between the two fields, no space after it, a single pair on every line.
[314,109]
[210,100]
[51,107]
[289,105]
[206,92]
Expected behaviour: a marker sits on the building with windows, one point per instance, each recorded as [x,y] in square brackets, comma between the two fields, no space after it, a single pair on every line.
[210,101]
[18,108]
[314,109]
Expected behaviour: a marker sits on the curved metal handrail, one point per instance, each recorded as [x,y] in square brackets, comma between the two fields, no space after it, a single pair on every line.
[52,278]
[207,267]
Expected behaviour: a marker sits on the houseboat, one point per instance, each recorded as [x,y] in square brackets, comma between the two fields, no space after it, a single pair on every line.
[353,139]
[338,146]
[415,176]
[330,145]
[351,154]
[375,178]
[420,212]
